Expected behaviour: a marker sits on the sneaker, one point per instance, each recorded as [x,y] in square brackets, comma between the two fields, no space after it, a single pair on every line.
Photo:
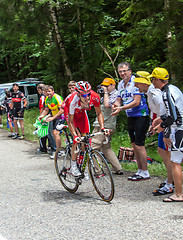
[11,135]
[49,150]
[130,178]
[162,191]
[15,136]
[41,151]
[1,125]
[52,156]
[86,176]
[120,172]
[75,171]
[61,154]
[139,178]
[21,137]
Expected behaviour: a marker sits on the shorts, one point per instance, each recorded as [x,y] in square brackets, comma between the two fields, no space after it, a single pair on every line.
[177,145]
[161,143]
[137,129]
[81,122]
[1,112]
[56,121]
[9,119]
[16,114]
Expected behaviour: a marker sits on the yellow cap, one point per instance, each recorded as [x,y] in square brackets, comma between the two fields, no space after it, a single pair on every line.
[142,77]
[160,73]
[108,81]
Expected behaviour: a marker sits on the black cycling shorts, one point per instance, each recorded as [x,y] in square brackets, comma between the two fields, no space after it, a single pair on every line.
[56,121]
[137,129]
[17,114]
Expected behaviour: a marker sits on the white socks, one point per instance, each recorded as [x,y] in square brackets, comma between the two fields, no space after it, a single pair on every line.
[144,173]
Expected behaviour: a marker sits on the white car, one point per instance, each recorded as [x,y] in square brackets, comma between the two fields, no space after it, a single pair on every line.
[27,86]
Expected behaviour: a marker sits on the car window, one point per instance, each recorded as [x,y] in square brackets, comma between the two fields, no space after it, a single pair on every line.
[31,90]
[21,89]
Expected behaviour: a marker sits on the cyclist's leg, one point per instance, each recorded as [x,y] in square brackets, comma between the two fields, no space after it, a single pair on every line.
[82,126]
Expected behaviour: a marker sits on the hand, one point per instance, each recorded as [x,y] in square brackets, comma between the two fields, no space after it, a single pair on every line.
[167,142]
[49,119]
[151,131]
[156,122]
[104,87]
[158,128]
[76,140]
[40,118]
[116,110]
[105,131]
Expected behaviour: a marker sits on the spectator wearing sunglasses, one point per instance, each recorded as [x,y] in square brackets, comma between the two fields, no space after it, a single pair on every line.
[134,104]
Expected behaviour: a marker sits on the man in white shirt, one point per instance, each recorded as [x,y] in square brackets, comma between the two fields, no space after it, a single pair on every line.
[157,106]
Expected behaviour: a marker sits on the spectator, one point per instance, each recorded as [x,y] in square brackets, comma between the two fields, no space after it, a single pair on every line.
[42,140]
[51,140]
[173,99]
[53,102]
[108,93]
[71,86]
[1,124]
[18,105]
[157,106]
[138,119]
[6,105]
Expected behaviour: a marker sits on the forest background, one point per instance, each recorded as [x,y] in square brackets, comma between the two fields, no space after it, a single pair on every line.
[62,40]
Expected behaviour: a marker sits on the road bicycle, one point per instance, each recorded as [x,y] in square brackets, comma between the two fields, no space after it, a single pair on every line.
[99,171]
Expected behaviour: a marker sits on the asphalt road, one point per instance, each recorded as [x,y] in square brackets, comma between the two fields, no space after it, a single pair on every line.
[34,205]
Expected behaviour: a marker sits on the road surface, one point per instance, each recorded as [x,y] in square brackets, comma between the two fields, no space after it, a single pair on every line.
[34,205]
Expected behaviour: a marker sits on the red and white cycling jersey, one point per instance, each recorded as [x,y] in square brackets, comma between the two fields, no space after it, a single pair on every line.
[73,107]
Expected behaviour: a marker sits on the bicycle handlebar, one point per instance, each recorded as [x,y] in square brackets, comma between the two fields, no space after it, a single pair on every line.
[86,137]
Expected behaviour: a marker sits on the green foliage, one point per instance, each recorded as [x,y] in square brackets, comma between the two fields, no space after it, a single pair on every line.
[137,29]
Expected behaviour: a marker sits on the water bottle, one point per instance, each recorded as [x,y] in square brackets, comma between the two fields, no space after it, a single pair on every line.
[80,158]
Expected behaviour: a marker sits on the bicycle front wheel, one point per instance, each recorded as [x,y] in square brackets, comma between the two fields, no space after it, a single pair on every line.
[62,166]
[101,176]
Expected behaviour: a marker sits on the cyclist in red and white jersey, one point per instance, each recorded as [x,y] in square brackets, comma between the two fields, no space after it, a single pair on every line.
[76,105]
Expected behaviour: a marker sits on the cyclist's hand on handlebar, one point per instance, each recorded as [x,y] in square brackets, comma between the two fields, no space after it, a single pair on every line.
[76,140]
[105,131]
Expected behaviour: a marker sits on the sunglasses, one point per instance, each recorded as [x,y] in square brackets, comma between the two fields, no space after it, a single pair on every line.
[123,71]
[86,95]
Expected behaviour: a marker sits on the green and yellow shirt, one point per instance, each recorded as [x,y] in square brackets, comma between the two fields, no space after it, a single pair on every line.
[54,103]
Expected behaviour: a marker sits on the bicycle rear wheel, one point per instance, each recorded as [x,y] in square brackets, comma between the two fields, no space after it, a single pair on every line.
[62,166]
[101,176]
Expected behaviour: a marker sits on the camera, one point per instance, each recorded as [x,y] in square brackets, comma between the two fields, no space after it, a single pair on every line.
[100,90]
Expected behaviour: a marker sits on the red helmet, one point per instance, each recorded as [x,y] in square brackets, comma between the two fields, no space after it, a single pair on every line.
[83,87]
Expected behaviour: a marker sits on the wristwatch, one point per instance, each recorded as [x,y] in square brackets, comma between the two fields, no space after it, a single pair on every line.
[106,92]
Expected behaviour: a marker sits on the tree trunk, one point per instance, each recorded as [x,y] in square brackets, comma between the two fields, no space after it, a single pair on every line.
[80,40]
[60,41]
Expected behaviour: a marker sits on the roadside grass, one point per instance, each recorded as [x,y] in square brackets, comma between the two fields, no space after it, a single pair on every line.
[119,139]
[29,119]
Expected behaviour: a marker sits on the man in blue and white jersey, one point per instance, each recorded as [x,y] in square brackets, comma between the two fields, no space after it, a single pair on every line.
[134,103]
[173,99]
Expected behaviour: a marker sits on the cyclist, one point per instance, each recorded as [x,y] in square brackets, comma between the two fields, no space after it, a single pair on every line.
[77,104]
[18,105]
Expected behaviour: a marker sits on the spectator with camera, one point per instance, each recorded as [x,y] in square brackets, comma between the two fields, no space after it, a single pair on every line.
[108,95]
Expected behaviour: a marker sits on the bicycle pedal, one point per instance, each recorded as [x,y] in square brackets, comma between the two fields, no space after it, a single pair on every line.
[78,180]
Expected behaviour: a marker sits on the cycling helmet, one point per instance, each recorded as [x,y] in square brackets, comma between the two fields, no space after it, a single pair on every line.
[83,87]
